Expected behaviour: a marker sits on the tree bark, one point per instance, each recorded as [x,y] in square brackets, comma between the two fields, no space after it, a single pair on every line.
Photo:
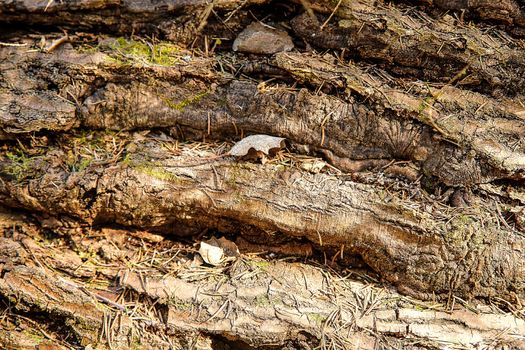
[507,14]
[162,299]
[404,156]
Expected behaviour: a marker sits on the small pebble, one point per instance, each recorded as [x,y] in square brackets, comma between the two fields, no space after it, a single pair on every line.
[260,39]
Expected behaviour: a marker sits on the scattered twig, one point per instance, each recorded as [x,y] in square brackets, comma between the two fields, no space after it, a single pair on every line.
[55,44]
[331,15]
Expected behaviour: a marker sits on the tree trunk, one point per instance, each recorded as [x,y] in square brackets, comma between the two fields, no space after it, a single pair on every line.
[404,163]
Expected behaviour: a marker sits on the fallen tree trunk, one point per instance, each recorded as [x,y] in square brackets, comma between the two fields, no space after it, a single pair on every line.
[507,14]
[177,20]
[414,243]
[252,303]
[192,100]
[404,155]
[443,153]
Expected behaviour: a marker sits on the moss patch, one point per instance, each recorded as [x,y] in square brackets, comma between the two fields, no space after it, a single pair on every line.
[163,54]
[124,51]
[19,166]
[157,173]
[180,105]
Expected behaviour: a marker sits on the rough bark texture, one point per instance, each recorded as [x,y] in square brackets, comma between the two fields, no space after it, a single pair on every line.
[132,289]
[398,233]
[508,14]
[405,156]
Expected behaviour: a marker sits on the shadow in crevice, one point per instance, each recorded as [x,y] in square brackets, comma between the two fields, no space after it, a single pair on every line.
[223,343]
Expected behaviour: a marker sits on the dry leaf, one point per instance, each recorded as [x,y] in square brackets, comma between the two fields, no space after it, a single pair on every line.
[229,247]
[259,143]
[211,254]
[217,251]
[197,261]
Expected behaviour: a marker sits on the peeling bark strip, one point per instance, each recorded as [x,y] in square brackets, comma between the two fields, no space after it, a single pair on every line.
[407,241]
[508,13]
[444,53]
[444,131]
[175,19]
[252,302]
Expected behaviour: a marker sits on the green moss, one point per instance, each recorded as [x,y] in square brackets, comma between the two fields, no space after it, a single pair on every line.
[93,139]
[179,304]
[166,55]
[317,318]
[179,106]
[261,264]
[135,343]
[262,301]
[37,338]
[20,166]
[427,102]
[87,255]
[116,61]
[157,172]
[465,220]
[89,49]
[465,230]
[474,47]
[81,164]
[239,172]
[163,54]
[82,137]
[126,161]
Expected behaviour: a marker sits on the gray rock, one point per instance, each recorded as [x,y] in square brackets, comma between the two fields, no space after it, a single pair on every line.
[260,39]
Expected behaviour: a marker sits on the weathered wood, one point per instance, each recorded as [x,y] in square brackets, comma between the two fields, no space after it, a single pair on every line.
[176,20]
[252,302]
[419,121]
[507,13]
[443,131]
[425,249]
[415,45]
